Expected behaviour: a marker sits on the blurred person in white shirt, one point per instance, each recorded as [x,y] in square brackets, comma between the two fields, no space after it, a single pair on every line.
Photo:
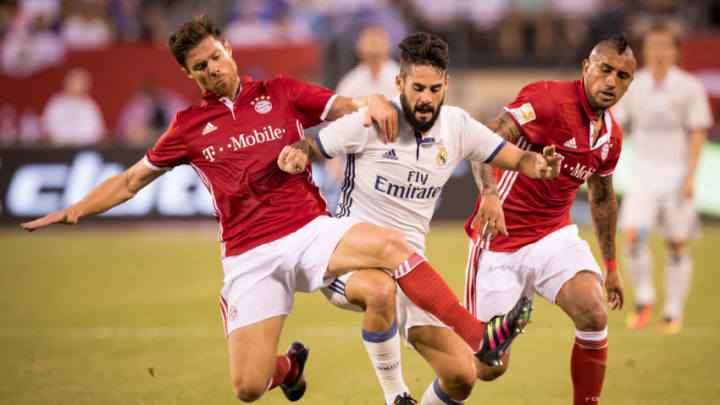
[86,28]
[72,117]
[668,115]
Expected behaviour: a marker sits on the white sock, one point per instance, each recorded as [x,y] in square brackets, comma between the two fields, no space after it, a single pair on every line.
[678,274]
[384,351]
[434,395]
[639,264]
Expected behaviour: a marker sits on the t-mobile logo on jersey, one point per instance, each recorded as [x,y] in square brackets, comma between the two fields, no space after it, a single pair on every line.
[242,141]
[582,172]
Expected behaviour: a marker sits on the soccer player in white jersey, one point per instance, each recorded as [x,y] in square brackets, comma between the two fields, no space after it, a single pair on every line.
[668,114]
[397,185]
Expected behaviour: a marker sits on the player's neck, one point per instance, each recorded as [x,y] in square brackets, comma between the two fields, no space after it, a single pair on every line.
[659,74]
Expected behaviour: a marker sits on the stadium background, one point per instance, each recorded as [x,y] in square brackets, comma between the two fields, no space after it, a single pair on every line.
[88,310]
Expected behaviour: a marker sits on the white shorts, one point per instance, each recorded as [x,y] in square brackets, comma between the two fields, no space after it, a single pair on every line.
[261,282]
[494,281]
[675,215]
[407,314]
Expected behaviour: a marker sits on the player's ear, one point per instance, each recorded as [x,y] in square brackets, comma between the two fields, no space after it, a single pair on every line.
[399,83]
[187,73]
[585,66]
[227,47]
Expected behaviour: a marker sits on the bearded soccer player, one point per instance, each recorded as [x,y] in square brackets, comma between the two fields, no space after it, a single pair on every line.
[276,234]
[397,185]
[668,114]
[539,250]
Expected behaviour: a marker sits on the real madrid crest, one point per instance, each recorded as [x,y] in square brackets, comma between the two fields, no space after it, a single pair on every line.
[442,156]
[262,104]
[604,151]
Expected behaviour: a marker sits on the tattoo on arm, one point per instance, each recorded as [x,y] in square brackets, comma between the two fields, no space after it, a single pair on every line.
[604,210]
[505,127]
[310,147]
[484,178]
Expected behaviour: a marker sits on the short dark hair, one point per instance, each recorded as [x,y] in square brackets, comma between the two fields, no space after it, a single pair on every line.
[619,43]
[663,26]
[423,48]
[190,34]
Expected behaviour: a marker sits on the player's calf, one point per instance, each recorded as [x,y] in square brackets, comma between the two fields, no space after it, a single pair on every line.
[491,373]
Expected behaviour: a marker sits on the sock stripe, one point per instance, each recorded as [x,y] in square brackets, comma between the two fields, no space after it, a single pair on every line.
[408,265]
[378,337]
[442,395]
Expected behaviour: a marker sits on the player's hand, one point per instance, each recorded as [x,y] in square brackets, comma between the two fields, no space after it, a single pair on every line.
[614,288]
[688,187]
[385,115]
[292,160]
[490,218]
[549,166]
[66,216]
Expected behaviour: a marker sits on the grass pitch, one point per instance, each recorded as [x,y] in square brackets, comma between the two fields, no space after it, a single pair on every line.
[107,315]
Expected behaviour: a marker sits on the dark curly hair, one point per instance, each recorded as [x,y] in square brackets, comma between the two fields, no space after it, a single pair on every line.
[423,48]
[190,34]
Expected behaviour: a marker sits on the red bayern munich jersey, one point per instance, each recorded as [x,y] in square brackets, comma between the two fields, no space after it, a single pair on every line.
[551,113]
[233,147]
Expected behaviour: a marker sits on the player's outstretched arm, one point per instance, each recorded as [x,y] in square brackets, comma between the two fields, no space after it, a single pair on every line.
[379,110]
[531,164]
[604,210]
[109,193]
[294,158]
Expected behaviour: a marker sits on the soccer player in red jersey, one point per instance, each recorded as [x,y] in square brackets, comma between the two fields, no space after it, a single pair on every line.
[276,235]
[538,249]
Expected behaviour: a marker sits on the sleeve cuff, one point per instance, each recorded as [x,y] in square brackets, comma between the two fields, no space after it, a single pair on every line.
[321,147]
[328,105]
[152,166]
[495,152]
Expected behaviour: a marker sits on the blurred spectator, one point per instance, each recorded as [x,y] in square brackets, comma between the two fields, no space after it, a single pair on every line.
[85,27]
[125,20]
[72,117]
[575,30]
[528,28]
[376,71]
[257,22]
[30,45]
[147,114]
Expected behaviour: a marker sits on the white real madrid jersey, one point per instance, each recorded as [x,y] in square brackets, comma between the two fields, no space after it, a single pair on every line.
[396,185]
[660,117]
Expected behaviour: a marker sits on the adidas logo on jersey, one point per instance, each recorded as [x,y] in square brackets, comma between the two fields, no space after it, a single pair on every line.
[209,127]
[390,155]
[570,144]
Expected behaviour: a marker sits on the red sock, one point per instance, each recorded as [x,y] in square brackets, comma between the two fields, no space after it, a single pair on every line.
[286,369]
[424,286]
[587,369]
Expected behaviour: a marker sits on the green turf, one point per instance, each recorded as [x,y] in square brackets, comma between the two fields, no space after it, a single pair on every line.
[86,311]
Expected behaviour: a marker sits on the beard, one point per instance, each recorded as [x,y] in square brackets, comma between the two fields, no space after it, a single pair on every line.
[410,114]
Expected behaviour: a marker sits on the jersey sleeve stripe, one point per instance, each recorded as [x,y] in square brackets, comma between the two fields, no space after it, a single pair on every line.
[329,104]
[321,147]
[152,166]
[495,152]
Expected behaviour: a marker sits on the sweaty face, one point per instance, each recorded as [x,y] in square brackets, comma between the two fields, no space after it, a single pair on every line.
[606,76]
[422,93]
[659,50]
[212,67]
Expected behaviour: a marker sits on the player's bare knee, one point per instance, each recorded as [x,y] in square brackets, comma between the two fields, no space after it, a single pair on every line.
[395,248]
[593,317]
[380,297]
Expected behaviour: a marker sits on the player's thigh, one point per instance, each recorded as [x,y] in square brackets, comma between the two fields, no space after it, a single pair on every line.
[252,351]
[368,246]
[582,299]
[680,221]
[640,209]
[371,287]
[447,354]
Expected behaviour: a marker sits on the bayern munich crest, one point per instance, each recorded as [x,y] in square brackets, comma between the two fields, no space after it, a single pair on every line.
[604,151]
[262,104]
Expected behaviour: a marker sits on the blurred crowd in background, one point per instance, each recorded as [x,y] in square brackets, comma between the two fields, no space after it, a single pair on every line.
[38,34]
